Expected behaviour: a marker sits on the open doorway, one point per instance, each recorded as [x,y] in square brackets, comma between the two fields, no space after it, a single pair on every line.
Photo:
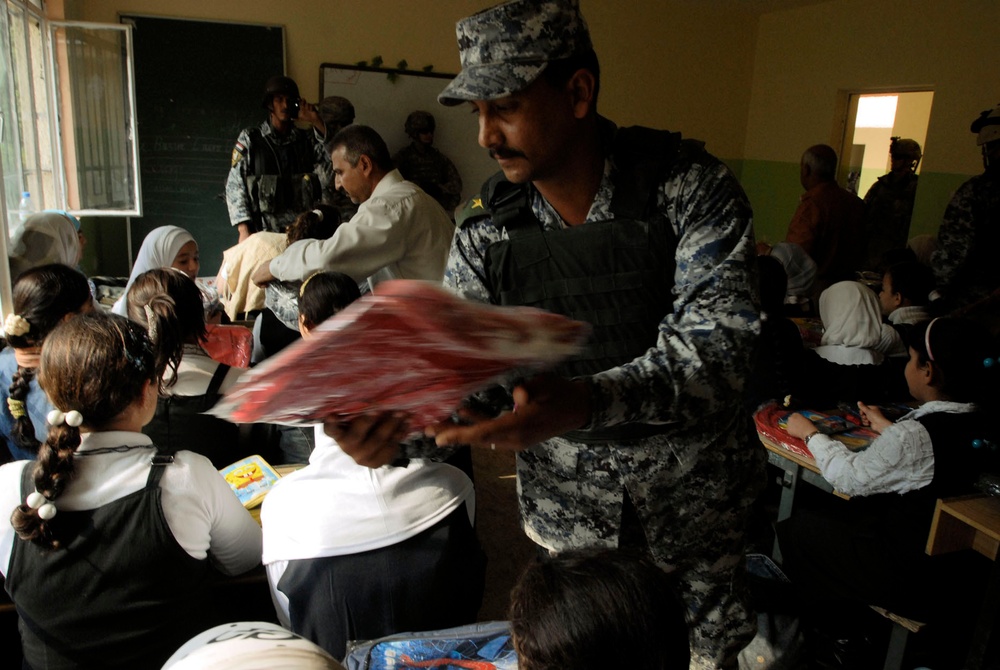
[873,119]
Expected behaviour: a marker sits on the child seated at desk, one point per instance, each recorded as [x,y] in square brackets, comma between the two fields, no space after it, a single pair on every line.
[168,304]
[870,550]
[109,550]
[906,291]
[355,553]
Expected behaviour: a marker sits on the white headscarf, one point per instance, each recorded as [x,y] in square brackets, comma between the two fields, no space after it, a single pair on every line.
[43,238]
[851,320]
[158,250]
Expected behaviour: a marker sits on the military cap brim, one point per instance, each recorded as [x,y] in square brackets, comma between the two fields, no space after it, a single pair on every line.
[490,82]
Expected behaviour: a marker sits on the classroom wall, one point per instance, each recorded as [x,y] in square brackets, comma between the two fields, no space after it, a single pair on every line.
[680,65]
[758,90]
[806,59]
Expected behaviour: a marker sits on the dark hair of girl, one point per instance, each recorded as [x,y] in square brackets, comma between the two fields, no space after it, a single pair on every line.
[964,357]
[168,303]
[324,294]
[95,364]
[312,226]
[595,609]
[43,296]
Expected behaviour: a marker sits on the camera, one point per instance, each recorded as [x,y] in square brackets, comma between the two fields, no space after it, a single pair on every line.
[293,107]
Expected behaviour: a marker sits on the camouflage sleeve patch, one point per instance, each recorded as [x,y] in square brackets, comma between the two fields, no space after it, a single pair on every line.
[239,153]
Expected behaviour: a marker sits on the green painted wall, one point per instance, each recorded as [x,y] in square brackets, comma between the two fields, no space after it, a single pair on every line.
[773,188]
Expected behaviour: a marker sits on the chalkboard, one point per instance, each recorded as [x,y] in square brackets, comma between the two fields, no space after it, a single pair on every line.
[383,98]
[198,83]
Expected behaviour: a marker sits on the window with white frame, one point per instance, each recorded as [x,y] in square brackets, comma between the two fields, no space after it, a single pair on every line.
[67,114]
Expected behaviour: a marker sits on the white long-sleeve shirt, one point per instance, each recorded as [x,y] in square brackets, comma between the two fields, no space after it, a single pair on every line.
[899,460]
[202,512]
[399,229]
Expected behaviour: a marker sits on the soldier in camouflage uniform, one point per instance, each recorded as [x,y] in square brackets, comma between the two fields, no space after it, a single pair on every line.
[889,202]
[427,167]
[278,170]
[964,263]
[337,113]
[647,446]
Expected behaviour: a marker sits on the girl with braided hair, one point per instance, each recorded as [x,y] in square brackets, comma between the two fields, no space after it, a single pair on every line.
[109,552]
[44,297]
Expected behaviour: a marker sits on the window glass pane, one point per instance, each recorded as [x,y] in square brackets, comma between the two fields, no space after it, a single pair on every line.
[94,94]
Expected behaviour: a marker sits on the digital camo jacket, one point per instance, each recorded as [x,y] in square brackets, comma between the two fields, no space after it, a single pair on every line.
[691,485]
[964,263]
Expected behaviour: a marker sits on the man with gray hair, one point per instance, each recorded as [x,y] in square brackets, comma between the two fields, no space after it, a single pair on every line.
[829,222]
[399,232]
[641,442]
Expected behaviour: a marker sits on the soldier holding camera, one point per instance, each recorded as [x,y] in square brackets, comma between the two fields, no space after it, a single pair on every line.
[278,170]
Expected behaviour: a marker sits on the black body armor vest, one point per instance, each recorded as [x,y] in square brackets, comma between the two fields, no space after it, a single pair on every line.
[616,275]
[281,178]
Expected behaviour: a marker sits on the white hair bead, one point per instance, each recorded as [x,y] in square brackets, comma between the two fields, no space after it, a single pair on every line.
[74,418]
[35,500]
[55,417]
[47,511]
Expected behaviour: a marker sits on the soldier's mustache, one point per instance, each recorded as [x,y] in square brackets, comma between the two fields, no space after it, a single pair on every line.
[504,152]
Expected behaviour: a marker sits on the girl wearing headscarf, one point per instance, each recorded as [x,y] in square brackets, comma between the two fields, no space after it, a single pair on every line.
[164,247]
[42,239]
[853,331]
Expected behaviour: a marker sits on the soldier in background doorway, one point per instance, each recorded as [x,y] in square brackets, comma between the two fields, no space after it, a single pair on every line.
[427,167]
[889,202]
[278,170]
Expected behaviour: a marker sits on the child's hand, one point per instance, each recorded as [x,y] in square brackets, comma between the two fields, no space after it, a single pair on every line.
[872,417]
[799,426]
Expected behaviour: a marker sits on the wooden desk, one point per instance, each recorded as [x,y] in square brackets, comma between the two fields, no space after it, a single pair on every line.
[972,522]
[969,522]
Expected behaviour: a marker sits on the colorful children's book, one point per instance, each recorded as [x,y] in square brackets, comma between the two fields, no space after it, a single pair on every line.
[772,420]
[250,478]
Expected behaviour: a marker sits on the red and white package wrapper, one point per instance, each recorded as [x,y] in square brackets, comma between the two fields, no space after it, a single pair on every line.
[413,347]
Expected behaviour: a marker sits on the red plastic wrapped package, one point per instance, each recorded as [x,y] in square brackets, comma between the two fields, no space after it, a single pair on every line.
[414,347]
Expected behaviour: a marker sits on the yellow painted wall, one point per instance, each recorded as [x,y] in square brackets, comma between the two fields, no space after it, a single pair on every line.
[806,56]
[678,64]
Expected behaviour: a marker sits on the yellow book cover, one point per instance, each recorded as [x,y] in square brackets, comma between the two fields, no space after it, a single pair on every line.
[250,478]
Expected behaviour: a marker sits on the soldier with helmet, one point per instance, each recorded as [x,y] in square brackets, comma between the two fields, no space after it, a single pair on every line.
[278,170]
[338,113]
[427,167]
[889,201]
[965,264]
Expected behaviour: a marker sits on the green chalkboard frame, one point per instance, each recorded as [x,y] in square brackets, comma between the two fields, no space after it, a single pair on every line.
[198,83]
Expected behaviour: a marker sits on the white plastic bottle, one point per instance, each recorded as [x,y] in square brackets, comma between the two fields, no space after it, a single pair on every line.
[26,207]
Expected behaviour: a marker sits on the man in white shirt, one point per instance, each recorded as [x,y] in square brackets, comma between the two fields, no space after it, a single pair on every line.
[399,231]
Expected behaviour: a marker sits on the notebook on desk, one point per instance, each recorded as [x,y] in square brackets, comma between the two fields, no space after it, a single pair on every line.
[772,419]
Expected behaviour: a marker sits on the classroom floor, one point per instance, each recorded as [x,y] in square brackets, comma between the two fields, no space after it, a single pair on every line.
[508,550]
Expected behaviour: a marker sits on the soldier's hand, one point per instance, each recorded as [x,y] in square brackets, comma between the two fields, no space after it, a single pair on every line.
[244,231]
[310,114]
[371,440]
[545,406]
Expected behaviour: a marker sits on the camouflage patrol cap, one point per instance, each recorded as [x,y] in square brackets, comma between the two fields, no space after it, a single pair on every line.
[504,48]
